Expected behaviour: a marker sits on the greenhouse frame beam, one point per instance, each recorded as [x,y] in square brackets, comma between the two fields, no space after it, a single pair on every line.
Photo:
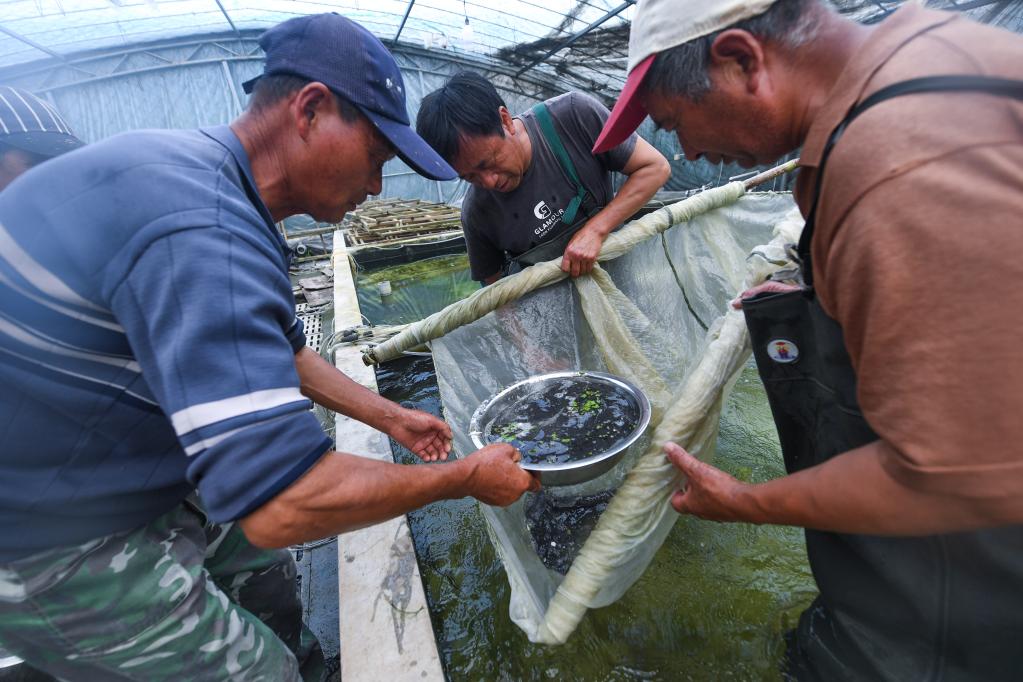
[228,17]
[408,11]
[145,69]
[43,76]
[569,41]
[31,43]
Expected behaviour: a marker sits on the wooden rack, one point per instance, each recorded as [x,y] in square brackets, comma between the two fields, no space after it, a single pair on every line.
[392,220]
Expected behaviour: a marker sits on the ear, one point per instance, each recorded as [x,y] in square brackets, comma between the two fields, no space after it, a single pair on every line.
[739,55]
[310,102]
[507,121]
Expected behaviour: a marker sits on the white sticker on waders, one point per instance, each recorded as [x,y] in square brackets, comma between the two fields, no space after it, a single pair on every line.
[783,351]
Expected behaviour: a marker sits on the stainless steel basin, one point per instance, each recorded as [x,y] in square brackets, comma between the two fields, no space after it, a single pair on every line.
[559,393]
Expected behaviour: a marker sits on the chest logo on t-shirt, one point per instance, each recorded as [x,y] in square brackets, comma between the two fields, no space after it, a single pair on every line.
[783,351]
[549,217]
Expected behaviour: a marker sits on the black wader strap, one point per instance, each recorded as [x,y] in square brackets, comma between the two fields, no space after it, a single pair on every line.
[543,117]
[1002,87]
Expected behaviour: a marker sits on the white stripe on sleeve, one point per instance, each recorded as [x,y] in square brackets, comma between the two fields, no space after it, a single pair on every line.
[197,416]
[206,443]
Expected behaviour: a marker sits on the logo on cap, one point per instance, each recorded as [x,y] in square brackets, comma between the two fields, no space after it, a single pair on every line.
[783,351]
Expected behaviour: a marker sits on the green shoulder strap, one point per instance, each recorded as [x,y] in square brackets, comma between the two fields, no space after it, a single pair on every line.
[543,117]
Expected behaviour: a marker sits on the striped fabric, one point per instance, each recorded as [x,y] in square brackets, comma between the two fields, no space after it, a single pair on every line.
[23,112]
[147,341]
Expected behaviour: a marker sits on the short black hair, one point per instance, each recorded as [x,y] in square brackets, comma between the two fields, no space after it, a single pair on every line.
[468,104]
[270,90]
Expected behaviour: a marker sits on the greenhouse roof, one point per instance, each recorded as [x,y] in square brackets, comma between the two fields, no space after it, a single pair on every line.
[585,41]
[37,29]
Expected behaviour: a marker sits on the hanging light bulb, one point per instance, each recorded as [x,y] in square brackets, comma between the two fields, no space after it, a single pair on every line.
[467,33]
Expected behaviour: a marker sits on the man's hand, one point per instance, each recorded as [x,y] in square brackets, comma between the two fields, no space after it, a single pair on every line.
[422,433]
[764,287]
[496,477]
[706,493]
[581,253]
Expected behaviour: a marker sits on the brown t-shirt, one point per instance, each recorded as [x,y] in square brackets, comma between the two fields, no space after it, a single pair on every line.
[918,254]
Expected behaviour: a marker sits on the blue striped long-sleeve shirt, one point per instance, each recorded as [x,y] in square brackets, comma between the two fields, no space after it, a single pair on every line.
[147,341]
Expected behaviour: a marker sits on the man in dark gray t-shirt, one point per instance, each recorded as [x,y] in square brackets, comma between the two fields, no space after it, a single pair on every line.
[515,209]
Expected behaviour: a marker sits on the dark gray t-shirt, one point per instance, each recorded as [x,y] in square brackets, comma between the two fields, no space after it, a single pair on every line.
[516,221]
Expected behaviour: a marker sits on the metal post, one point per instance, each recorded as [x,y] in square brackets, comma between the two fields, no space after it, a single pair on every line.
[230,86]
[408,10]
[228,17]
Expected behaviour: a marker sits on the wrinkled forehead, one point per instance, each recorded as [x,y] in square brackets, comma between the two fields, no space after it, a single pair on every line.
[665,110]
[657,106]
[477,152]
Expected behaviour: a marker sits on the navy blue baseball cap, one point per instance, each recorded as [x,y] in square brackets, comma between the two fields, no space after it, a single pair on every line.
[351,61]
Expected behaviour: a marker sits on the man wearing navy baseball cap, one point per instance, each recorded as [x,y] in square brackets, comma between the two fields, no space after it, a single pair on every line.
[149,348]
[354,64]
[31,131]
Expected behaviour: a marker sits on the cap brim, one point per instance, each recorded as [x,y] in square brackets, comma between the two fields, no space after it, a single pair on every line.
[629,111]
[411,148]
[44,144]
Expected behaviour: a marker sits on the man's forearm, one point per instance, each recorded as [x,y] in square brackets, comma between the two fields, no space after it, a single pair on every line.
[344,492]
[635,192]
[853,493]
[647,171]
[327,386]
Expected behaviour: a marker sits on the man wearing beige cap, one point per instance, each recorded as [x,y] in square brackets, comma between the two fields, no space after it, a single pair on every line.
[894,371]
[31,131]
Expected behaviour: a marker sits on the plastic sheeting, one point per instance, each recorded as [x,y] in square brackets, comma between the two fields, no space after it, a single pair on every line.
[644,316]
[198,83]
[68,26]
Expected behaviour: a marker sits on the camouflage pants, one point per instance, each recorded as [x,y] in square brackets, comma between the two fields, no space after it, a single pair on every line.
[178,599]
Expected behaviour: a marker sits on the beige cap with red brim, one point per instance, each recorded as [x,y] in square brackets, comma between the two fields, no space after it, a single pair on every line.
[658,26]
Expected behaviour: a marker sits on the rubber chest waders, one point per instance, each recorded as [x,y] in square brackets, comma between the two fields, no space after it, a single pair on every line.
[943,607]
[580,209]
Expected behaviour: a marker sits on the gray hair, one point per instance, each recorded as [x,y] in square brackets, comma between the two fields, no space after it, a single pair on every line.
[685,69]
[270,90]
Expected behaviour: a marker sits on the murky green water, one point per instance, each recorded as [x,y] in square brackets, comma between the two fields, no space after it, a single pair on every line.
[417,289]
[712,606]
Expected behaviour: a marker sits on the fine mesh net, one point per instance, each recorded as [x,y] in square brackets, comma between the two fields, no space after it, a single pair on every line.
[658,317]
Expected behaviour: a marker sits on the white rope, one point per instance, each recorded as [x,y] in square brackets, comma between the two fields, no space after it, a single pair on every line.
[543,274]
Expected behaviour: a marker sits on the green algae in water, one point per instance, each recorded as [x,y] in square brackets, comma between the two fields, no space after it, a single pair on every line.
[565,420]
[419,289]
